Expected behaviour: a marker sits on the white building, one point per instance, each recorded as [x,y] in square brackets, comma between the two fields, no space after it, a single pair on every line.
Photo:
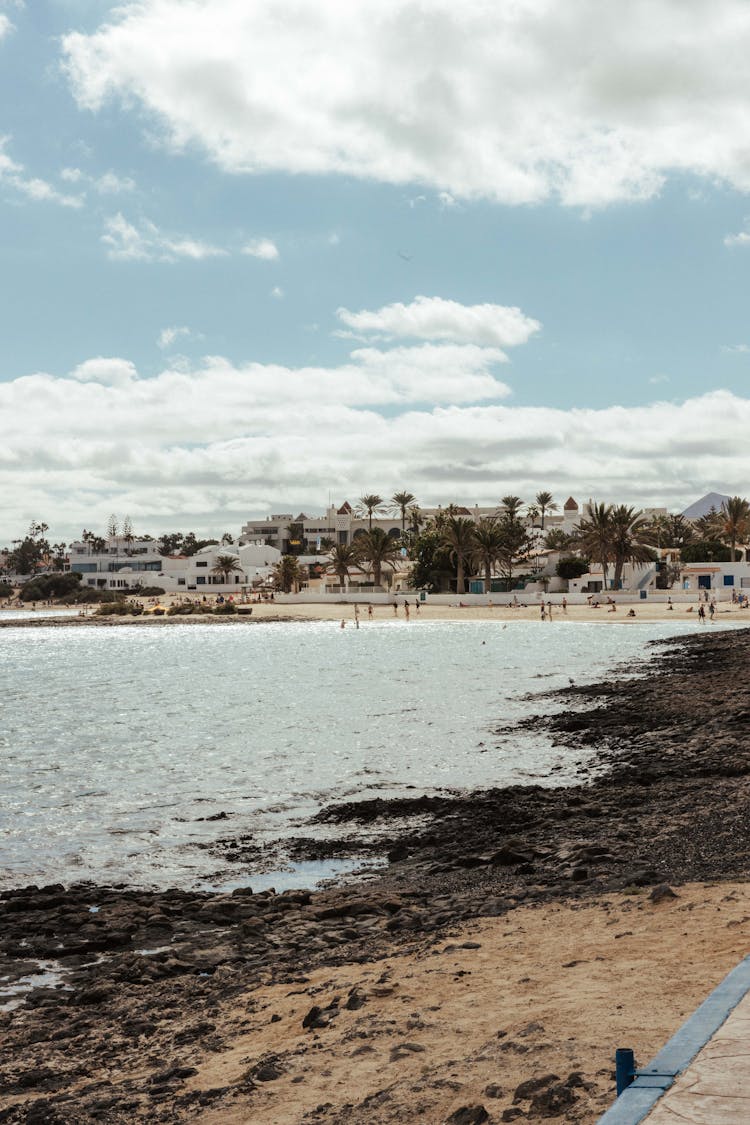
[124,565]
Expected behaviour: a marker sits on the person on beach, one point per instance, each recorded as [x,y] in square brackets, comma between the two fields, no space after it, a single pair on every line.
[631,613]
[669,604]
[395,608]
[369,611]
[416,604]
[549,610]
[701,614]
[406,610]
[356,615]
[565,605]
[543,614]
[712,610]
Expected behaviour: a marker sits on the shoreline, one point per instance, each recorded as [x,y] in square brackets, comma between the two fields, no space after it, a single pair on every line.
[297,612]
[574,869]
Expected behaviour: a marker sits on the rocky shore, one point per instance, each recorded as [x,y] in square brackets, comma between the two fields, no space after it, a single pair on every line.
[148,994]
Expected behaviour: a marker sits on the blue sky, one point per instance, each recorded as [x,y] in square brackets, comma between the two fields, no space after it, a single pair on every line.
[258,253]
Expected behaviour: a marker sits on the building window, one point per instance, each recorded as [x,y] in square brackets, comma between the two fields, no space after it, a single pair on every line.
[201,564]
[201,580]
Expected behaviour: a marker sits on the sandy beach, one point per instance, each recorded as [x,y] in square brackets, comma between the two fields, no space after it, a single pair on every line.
[516,937]
[336,611]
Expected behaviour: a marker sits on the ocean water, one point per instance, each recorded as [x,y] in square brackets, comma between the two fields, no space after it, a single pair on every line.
[116,745]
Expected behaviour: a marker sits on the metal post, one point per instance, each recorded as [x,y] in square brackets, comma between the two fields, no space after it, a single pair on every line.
[624,1068]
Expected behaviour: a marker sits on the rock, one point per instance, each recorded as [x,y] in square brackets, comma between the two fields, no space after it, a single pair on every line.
[356,999]
[579,874]
[493,1091]
[468,1115]
[552,1102]
[512,1114]
[526,1089]
[509,857]
[662,893]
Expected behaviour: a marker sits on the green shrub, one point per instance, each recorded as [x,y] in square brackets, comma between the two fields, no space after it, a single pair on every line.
[46,586]
[149,591]
[571,567]
[5,590]
[119,609]
[227,607]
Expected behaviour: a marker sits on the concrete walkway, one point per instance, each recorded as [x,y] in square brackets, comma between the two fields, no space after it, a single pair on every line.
[702,1075]
[715,1088]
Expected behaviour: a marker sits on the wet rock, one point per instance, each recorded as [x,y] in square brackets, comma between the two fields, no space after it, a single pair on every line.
[552,1102]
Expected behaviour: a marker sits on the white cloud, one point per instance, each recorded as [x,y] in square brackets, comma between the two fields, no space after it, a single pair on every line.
[167,336]
[126,242]
[5,26]
[277,293]
[582,101]
[659,378]
[736,349]
[434,318]
[108,372]
[220,436]
[108,184]
[13,175]
[742,238]
[262,248]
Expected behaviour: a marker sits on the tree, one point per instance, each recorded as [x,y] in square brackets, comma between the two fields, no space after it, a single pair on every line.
[710,526]
[371,503]
[558,540]
[546,504]
[58,555]
[376,549]
[459,536]
[571,566]
[594,535]
[705,550]
[97,543]
[667,531]
[401,502]
[736,515]
[296,532]
[515,541]
[112,526]
[287,574]
[342,558]
[227,540]
[226,565]
[431,568]
[488,545]
[127,533]
[31,551]
[511,505]
[626,544]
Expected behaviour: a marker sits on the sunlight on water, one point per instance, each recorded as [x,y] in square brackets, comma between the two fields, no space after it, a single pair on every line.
[117,744]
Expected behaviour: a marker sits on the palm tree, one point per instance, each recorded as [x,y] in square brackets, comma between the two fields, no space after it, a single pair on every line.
[546,504]
[416,519]
[736,515]
[370,504]
[488,542]
[594,535]
[459,536]
[627,545]
[710,526]
[376,549]
[287,574]
[511,505]
[401,501]
[342,557]
[226,565]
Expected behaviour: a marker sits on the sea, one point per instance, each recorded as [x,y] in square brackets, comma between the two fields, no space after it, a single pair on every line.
[132,754]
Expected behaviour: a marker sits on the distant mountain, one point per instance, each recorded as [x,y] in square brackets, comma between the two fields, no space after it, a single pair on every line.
[703,506]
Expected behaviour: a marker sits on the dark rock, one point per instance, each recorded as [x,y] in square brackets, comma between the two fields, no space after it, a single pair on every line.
[493,1091]
[552,1102]
[525,1089]
[662,893]
[468,1115]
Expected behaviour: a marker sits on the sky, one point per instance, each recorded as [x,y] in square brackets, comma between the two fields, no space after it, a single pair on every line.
[259,255]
